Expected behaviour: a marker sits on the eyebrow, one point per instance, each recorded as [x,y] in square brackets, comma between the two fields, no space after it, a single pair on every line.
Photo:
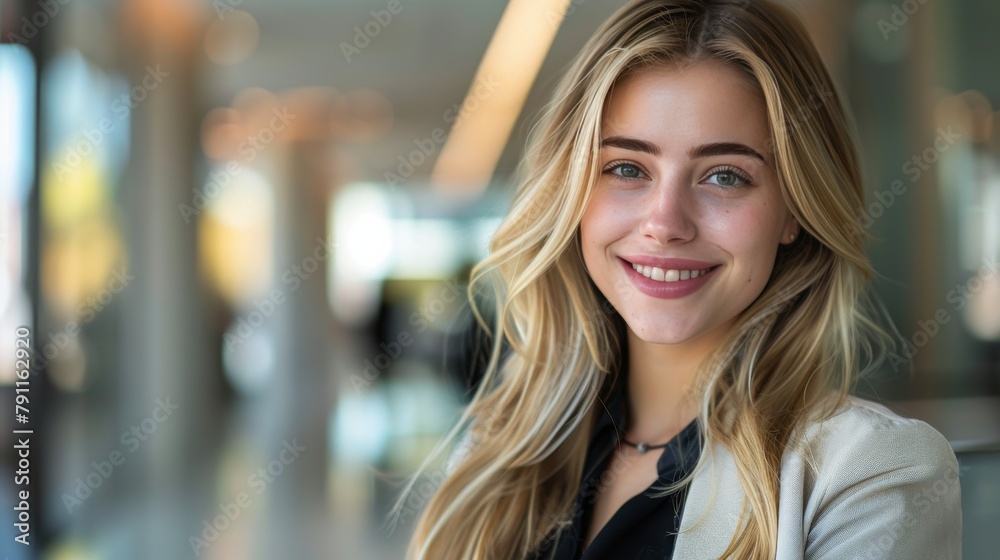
[705,150]
[632,144]
[723,149]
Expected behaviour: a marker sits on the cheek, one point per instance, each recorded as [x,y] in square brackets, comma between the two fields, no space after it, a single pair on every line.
[603,224]
[758,259]
[596,227]
[758,263]
[590,241]
[750,235]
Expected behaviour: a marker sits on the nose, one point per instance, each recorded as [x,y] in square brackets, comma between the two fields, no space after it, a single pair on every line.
[669,212]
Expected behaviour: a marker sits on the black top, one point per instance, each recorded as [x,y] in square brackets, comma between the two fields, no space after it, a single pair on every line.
[644,527]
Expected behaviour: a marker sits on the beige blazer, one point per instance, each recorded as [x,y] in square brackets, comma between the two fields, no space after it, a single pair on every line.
[885,487]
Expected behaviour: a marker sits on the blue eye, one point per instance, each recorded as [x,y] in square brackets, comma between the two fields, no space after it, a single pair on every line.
[728,178]
[625,170]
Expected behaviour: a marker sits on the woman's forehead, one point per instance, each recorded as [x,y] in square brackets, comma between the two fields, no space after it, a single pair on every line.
[676,106]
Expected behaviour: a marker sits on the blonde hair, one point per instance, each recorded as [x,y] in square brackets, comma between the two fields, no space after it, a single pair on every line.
[794,353]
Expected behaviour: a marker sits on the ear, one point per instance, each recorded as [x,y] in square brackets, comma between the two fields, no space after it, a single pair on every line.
[790,232]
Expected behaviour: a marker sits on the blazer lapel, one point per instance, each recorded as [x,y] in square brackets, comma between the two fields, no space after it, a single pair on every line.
[712,509]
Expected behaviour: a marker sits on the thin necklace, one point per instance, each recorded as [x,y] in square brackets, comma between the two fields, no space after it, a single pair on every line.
[643,447]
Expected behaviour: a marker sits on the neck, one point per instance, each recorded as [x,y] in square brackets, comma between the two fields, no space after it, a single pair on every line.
[661,383]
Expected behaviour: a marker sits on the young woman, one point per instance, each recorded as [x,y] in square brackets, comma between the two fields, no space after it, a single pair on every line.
[681,280]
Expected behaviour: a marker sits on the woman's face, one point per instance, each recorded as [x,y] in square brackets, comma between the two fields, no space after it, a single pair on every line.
[688,193]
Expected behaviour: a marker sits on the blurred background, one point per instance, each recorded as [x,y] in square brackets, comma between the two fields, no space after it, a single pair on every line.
[240,231]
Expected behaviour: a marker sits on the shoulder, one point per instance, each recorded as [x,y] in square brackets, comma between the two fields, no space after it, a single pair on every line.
[876,480]
[862,429]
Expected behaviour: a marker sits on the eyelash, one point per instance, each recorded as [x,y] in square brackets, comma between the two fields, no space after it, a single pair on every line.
[715,171]
[609,170]
[730,169]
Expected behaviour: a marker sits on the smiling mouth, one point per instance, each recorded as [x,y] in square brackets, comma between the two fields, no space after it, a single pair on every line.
[666,276]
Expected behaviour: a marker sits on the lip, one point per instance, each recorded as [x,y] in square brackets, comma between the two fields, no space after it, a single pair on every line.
[669,290]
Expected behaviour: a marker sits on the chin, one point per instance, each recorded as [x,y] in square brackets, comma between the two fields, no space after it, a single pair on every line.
[656,332]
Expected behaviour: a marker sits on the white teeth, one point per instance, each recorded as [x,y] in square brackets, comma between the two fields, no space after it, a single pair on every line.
[661,275]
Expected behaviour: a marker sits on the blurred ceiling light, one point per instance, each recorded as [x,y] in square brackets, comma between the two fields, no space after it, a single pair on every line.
[494,101]
[312,107]
[256,106]
[174,24]
[255,98]
[221,133]
[233,38]
[322,114]
[235,234]
[226,131]
[361,116]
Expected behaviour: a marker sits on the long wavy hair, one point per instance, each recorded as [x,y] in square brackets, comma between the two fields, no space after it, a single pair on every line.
[793,355]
